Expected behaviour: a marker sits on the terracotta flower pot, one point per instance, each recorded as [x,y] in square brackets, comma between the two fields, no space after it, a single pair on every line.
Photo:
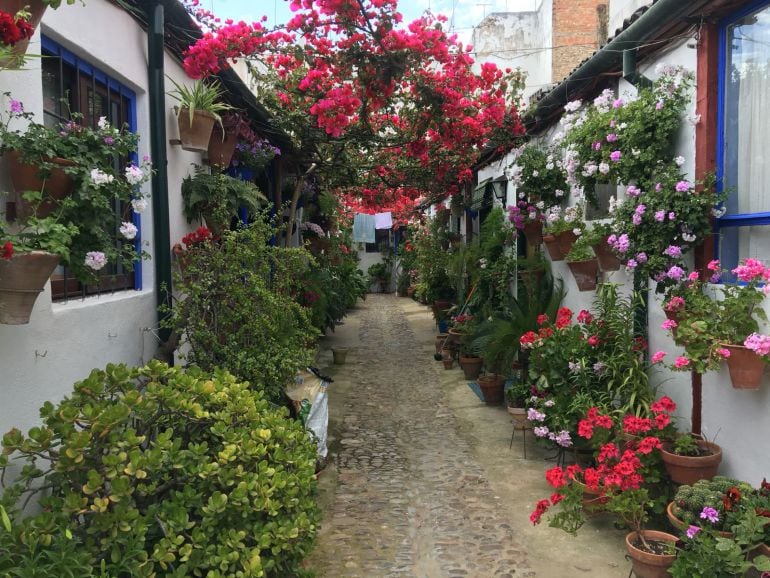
[608,261]
[649,564]
[448,362]
[585,273]
[492,386]
[519,418]
[566,239]
[221,147]
[26,177]
[746,367]
[36,8]
[471,366]
[195,137]
[533,231]
[22,279]
[690,469]
[552,245]
[672,510]
[340,354]
[593,501]
[441,340]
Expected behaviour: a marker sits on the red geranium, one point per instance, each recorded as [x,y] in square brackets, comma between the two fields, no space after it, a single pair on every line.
[7,251]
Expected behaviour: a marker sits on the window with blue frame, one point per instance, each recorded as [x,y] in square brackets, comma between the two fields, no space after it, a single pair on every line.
[72,85]
[744,134]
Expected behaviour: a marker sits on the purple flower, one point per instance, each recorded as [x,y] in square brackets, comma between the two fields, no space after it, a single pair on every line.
[615,156]
[618,103]
[673,251]
[640,209]
[676,273]
[623,243]
[541,432]
[660,216]
[659,105]
[636,219]
[633,191]
[658,187]
[108,140]
[671,215]
[631,264]
[691,531]
[710,514]
[641,257]
[683,186]
[534,415]
[16,106]
[612,137]
[597,146]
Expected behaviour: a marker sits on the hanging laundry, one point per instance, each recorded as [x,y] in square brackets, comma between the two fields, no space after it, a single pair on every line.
[363,228]
[383,221]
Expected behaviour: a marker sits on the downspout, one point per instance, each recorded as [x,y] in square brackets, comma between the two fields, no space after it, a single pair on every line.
[609,57]
[160,220]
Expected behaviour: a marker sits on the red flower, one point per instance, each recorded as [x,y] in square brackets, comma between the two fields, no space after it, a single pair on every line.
[648,444]
[591,477]
[542,319]
[593,340]
[555,477]
[662,420]
[585,429]
[545,332]
[556,498]
[585,317]
[665,403]
[732,497]
[7,251]
[540,508]
[607,452]
[572,471]
[633,425]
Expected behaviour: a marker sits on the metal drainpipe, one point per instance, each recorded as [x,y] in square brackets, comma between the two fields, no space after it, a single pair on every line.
[160,216]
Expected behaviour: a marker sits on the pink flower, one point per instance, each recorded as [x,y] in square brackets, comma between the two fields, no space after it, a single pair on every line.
[723,352]
[759,344]
[669,324]
[691,531]
[683,186]
[713,265]
[658,356]
[681,362]
[660,216]
[615,156]
[693,276]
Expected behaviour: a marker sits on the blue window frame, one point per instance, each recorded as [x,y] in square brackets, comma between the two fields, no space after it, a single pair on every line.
[742,168]
[91,92]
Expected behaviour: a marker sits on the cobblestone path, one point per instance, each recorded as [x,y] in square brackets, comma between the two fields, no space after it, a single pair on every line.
[407,496]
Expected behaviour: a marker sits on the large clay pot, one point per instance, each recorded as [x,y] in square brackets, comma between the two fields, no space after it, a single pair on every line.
[492,387]
[552,245]
[519,418]
[22,279]
[471,366]
[195,136]
[608,260]
[746,367]
[690,469]
[585,273]
[221,147]
[648,564]
[26,177]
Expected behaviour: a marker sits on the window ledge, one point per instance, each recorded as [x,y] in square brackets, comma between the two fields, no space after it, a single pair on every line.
[100,299]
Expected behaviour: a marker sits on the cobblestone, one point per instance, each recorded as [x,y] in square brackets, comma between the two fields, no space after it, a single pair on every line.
[404,494]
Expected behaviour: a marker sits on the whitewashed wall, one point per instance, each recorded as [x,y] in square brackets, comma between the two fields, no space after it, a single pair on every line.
[622,9]
[65,340]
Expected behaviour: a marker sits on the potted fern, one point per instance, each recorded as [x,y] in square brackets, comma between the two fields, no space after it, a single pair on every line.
[216,198]
[199,109]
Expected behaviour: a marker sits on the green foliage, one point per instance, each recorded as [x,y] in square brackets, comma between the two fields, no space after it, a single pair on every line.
[539,174]
[238,310]
[378,272]
[202,95]
[581,251]
[690,500]
[217,198]
[330,289]
[156,471]
[432,261]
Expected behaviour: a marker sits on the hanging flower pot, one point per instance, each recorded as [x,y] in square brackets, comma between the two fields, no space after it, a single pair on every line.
[608,261]
[27,177]
[22,279]
[221,146]
[566,239]
[746,367]
[648,564]
[552,245]
[533,231]
[36,8]
[196,133]
[690,469]
[585,273]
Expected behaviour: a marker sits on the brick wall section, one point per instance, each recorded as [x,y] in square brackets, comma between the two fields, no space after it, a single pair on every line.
[579,28]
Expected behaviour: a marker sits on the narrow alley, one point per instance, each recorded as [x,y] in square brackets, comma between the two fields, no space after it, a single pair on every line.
[421,481]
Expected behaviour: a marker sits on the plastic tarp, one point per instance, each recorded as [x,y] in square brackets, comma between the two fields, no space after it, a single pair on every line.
[308,392]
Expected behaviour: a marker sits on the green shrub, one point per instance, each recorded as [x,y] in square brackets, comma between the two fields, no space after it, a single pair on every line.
[154,471]
[238,309]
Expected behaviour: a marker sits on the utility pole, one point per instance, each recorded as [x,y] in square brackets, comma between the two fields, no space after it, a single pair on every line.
[484,5]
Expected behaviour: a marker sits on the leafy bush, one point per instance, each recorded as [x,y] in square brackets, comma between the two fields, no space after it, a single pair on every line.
[154,471]
[238,310]
[329,290]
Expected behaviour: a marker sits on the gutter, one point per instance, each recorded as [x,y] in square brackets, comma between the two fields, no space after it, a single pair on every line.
[160,210]
[654,23]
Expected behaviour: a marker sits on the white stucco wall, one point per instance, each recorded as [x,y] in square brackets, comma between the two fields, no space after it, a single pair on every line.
[65,340]
[622,9]
[518,40]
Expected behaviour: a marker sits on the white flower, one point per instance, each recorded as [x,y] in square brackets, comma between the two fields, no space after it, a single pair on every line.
[604,168]
[689,237]
[95,260]
[679,161]
[139,205]
[522,195]
[573,105]
[103,124]
[134,174]
[577,231]
[99,178]
[535,173]
[718,212]
[128,230]
[636,152]
[549,166]
[559,193]
[622,125]
[540,205]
